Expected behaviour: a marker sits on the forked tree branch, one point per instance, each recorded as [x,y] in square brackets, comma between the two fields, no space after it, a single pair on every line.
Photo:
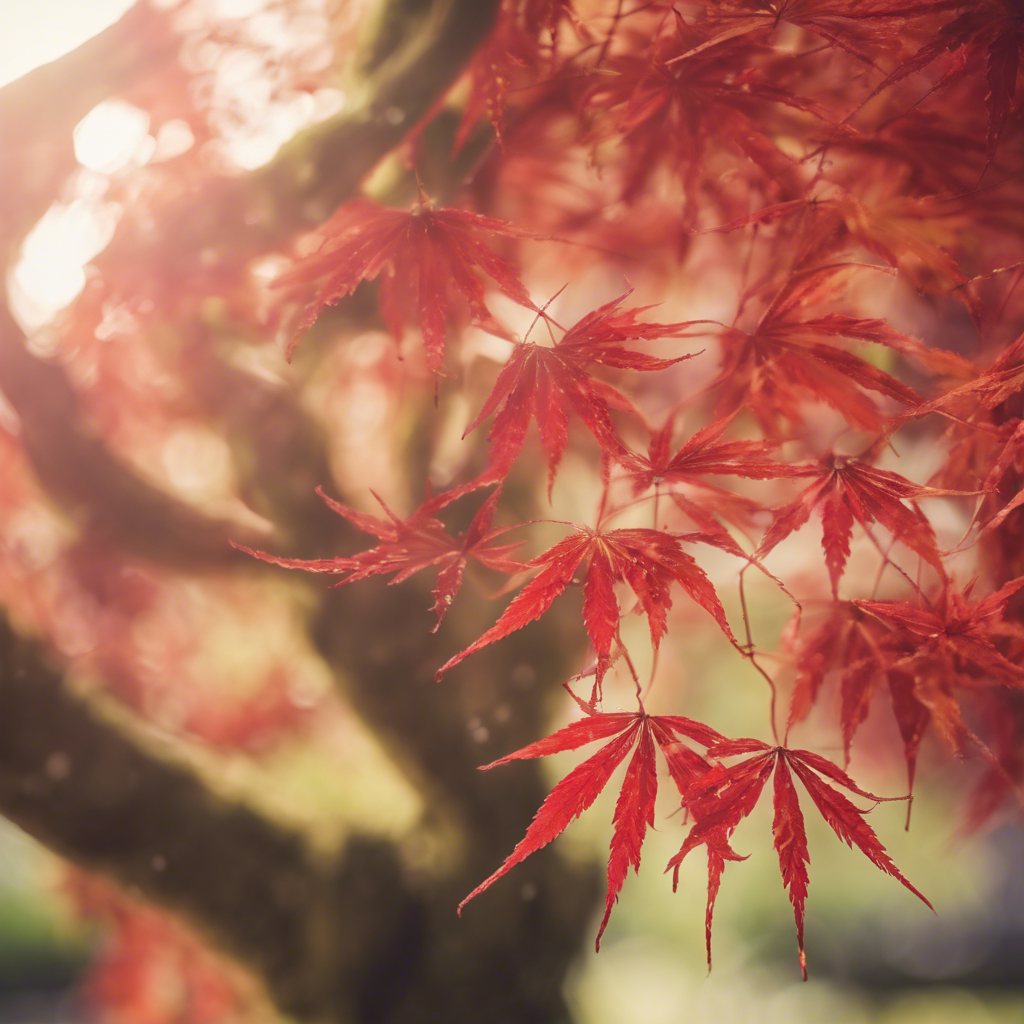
[350,938]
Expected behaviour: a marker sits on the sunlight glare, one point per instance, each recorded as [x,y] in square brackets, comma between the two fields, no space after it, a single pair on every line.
[51,270]
[108,138]
[38,31]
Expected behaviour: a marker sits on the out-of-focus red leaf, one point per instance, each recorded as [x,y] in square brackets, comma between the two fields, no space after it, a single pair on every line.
[957,636]
[910,232]
[988,32]
[929,656]
[684,90]
[427,253]
[793,357]
[983,392]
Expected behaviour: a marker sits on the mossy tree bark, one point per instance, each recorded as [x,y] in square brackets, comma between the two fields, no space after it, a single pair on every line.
[352,936]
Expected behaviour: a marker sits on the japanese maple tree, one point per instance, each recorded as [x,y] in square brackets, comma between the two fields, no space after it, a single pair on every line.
[707,314]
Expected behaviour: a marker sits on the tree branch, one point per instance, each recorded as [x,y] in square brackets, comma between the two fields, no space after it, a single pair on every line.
[426,47]
[75,781]
[102,493]
[413,58]
[360,938]
[355,938]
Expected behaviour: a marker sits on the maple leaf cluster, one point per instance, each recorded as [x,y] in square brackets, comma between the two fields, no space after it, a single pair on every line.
[675,291]
[814,164]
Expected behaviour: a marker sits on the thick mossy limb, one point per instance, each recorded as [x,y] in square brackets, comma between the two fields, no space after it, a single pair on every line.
[71,777]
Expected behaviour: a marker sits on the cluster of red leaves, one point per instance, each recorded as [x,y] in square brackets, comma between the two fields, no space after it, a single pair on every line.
[800,151]
[717,797]
[706,96]
[649,561]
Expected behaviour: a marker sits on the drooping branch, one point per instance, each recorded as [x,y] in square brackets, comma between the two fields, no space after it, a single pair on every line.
[419,52]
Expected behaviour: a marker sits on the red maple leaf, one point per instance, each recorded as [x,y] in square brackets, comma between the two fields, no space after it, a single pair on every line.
[988,32]
[511,49]
[984,391]
[721,798]
[856,645]
[1003,778]
[704,454]
[428,253]
[846,641]
[792,357]
[928,656]
[688,91]
[862,29]
[648,560]
[908,232]
[634,810]
[959,634]
[415,543]
[546,384]
[848,490]
[952,645]
[991,457]
[1005,457]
